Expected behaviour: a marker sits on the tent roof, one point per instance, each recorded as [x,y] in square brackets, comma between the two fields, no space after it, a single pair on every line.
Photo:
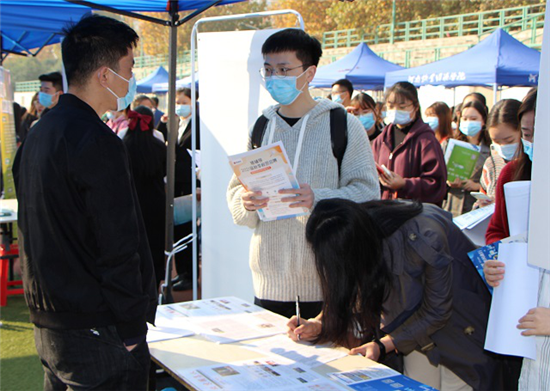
[364,68]
[500,59]
[159,75]
[181,83]
[32,24]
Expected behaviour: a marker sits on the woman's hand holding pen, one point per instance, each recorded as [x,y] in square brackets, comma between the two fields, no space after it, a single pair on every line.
[308,329]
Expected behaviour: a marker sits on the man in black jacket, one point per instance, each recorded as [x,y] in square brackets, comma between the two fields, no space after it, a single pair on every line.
[87,268]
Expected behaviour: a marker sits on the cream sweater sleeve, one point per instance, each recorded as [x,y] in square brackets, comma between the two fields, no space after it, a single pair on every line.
[240,215]
[358,177]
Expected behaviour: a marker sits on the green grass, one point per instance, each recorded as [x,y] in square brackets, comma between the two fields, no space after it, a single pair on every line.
[20,367]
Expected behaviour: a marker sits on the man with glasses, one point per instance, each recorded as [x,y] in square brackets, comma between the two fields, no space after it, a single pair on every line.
[281,261]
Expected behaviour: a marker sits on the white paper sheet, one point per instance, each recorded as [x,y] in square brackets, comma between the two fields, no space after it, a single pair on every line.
[270,373]
[225,319]
[162,333]
[516,294]
[517,195]
[303,352]
[471,219]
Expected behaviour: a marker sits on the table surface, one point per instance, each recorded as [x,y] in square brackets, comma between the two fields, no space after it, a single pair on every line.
[196,351]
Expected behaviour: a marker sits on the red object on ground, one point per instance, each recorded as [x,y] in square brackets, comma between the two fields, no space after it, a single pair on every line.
[7,254]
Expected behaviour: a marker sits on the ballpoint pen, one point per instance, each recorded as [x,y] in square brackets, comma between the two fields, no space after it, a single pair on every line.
[297,310]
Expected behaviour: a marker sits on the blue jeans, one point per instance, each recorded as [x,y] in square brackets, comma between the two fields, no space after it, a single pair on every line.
[91,359]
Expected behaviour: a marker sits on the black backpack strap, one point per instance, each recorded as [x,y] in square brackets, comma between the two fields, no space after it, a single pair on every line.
[339,133]
[258,132]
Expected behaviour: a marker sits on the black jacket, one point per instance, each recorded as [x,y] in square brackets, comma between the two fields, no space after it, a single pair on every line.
[86,260]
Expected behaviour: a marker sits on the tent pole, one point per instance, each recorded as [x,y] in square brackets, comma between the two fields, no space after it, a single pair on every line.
[495,91]
[171,152]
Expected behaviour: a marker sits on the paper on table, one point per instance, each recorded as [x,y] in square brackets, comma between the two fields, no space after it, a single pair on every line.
[516,294]
[517,195]
[268,373]
[303,352]
[471,219]
[162,333]
[267,169]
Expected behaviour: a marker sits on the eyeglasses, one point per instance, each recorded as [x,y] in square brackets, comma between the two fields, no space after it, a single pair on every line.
[280,72]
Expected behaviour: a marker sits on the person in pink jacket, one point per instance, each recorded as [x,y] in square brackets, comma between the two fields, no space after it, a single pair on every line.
[408,156]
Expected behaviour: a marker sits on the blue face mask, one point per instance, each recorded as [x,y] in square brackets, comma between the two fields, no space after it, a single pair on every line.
[337,98]
[45,99]
[183,110]
[528,148]
[433,122]
[367,120]
[507,151]
[125,101]
[470,128]
[284,89]
[398,117]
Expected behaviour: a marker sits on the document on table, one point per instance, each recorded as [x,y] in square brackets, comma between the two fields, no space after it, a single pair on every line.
[225,319]
[269,373]
[516,294]
[162,333]
[471,219]
[378,378]
[267,169]
[303,352]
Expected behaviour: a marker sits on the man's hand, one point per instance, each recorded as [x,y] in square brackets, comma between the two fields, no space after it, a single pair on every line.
[303,197]
[370,350]
[535,322]
[253,200]
[393,181]
[307,331]
[494,272]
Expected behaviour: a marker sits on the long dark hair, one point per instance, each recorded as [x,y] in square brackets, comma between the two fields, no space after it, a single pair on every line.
[347,241]
[524,165]
[143,148]
[482,110]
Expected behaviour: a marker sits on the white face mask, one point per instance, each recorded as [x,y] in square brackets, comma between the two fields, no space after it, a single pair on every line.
[507,151]
[398,117]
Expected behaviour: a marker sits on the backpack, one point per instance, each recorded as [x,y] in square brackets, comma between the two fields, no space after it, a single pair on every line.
[338,133]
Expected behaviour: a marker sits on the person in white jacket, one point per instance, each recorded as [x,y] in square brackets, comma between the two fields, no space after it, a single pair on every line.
[281,261]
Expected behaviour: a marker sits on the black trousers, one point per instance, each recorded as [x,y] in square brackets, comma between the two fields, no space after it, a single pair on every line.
[91,359]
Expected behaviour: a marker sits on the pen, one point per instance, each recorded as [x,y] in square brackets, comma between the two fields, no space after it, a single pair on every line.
[297,310]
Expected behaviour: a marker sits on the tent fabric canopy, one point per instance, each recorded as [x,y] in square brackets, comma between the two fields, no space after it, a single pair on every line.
[32,24]
[159,75]
[364,68]
[500,59]
[181,83]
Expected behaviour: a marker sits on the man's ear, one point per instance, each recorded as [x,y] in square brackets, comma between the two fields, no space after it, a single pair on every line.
[103,75]
[312,70]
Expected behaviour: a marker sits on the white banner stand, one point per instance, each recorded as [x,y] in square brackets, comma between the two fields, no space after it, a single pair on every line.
[231,99]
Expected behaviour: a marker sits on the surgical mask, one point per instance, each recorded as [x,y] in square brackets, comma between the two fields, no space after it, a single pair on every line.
[126,100]
[398,117]
[470,128]
[337,98]
[433,122]
[507,151]
[528,148]
[367,120]
[284,90]
[45,99]
[183,110]
[110,115]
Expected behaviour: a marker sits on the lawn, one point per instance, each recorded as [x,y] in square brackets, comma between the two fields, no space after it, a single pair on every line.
[20,367]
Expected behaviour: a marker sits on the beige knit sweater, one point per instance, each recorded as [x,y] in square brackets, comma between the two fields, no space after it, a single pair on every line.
[281,261]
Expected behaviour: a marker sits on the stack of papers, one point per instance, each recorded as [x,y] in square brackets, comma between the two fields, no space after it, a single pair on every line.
[225,319]
[471,219]
[379,378]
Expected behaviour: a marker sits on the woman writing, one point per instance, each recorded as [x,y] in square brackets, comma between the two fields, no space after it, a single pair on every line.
[408,150]
[399,271]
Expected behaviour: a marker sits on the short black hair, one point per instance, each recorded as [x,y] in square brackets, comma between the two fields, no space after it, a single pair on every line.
[346,84]
[94,42]
[187,92]
[55,78]
[155,100]
[307,48]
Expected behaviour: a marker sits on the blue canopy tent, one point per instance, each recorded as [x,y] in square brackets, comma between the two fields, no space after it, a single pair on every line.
[159,75]
[181,83]
[20,18]
[361,66]
[499,60]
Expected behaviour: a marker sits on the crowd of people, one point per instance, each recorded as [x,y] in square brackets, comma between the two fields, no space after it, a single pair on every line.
[378,263]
